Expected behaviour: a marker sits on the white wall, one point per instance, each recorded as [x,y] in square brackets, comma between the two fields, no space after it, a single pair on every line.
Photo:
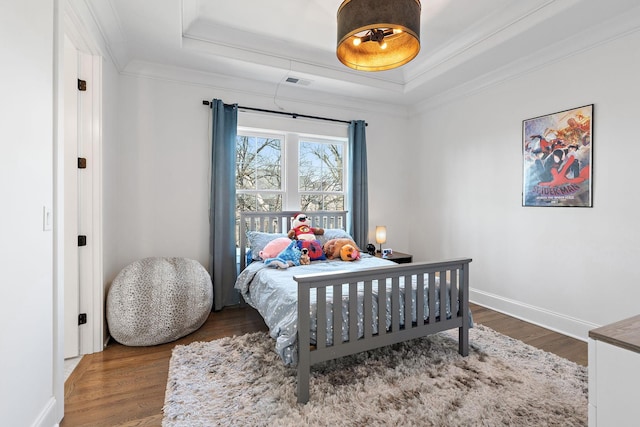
[567,268]
[158,180]
[26,250]
[111,170]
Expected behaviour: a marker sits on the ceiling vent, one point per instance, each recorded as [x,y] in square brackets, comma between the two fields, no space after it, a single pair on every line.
[297,81]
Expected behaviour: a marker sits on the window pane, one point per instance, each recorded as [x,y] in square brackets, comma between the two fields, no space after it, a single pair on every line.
[310,202]
[333,155]
[309,155]
[309,168]
[328,202]
[332,179]
[263,202]
[333,203]
[245,176]
[258,163]
[320,167]
[269,171]
[310,180]
[245,202]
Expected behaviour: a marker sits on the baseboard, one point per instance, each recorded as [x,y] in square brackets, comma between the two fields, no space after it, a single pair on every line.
[48,417]
[563,324]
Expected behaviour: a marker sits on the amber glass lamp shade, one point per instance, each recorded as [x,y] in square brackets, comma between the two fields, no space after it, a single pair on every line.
[377,35]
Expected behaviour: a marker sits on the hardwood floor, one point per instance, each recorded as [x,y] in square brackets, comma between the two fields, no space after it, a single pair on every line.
[125,386]
[545,339]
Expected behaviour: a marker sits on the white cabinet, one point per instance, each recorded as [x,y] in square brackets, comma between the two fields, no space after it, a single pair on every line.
[614,374]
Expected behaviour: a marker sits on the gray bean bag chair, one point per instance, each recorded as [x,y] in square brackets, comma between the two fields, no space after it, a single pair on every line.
[158,300]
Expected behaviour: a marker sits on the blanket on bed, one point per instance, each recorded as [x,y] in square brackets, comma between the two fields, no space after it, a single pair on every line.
[274,293]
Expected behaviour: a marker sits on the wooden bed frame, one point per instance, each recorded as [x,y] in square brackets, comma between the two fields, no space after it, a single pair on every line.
[454,272]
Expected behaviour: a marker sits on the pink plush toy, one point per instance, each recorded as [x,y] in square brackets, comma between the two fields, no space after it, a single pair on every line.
[274,247]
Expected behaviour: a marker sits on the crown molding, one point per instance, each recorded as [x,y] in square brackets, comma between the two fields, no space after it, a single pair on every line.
[591,38]
[280,96]
[97,35]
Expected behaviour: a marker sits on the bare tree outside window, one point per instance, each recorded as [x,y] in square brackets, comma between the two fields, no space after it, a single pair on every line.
[258,173]
[321,176]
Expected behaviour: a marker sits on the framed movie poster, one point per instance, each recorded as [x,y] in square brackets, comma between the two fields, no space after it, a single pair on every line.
[557,152]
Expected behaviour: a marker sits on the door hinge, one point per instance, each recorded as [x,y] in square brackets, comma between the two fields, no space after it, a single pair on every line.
[82,318]
[82,240]
[82,163]
[82,85]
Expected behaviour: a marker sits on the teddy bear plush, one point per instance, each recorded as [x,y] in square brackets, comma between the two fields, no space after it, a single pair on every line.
[304,257]
[301,229]
[289,257]
[344,249]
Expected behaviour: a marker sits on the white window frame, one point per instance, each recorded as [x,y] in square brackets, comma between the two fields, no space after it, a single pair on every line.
[290,174]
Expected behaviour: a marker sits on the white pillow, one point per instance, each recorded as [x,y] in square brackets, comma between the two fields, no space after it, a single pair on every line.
[333,233]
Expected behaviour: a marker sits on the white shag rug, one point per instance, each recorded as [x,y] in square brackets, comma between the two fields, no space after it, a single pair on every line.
[240,381]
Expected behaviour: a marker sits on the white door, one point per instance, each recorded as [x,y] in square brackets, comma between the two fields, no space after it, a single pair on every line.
[71,270]
[82,133]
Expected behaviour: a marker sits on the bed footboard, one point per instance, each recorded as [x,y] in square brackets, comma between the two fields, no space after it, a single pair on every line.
[385,282]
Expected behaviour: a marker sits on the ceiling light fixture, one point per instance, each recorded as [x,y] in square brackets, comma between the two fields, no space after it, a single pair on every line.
[377,35]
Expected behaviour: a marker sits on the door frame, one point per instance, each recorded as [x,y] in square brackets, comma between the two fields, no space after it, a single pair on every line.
[69,213]
[92,336]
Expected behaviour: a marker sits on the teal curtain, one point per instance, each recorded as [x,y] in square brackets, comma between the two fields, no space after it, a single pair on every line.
[222,249]
[358,184]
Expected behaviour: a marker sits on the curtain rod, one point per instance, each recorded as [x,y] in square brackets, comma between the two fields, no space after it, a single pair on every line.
[293,115]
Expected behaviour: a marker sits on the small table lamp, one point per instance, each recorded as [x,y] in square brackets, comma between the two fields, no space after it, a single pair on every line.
[381,235]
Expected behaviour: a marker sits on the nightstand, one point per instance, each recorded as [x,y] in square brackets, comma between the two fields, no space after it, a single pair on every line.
[397,257]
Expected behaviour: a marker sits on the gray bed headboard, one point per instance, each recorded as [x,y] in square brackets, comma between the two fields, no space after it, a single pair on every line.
[280,222]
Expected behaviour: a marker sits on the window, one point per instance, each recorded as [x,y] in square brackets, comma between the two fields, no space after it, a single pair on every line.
[321,175]
[288,171]
[259,165]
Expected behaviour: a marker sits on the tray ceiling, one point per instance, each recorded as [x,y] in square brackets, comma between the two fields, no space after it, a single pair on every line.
[266,44]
